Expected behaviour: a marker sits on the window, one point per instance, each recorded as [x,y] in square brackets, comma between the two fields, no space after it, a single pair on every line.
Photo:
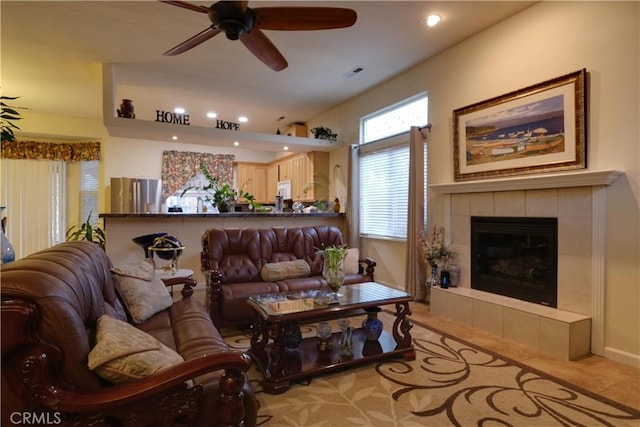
[89,191]
[384,189]
[384,168]
[395,119]
[34,193]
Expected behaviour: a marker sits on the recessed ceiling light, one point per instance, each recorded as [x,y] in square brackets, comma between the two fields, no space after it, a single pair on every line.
[431,20]
[286,148]
[179,110]
[212,115]
[243,119]
[174,137]
[236,143]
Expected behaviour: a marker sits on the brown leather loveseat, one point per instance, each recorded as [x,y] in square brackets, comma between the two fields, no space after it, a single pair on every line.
[233,262]
[52,304]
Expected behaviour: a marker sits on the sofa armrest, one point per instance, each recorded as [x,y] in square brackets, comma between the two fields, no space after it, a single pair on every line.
[367,266]
[30,368]
[188,284]
[213,299]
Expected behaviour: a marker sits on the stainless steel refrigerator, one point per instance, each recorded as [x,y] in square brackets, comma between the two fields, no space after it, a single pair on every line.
[136,195]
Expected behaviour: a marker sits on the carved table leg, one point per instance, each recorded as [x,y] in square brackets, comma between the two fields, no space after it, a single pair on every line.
[402,330]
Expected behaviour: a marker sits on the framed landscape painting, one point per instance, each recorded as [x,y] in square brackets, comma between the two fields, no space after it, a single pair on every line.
[537,129]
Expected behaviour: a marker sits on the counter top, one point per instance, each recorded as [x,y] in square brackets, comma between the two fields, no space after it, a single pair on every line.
[222,215]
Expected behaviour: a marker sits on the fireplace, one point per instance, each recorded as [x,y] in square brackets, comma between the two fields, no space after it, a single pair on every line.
[516,257]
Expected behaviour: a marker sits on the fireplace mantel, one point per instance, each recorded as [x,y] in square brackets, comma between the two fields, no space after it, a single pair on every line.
[557,180]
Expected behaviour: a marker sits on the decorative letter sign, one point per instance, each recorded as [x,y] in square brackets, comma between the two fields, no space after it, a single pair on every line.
[168,117]
[221,124]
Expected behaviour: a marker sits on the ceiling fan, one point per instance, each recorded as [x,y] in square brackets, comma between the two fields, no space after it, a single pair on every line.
[240,22]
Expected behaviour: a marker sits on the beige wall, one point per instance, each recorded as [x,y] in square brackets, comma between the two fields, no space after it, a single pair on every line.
[547,40]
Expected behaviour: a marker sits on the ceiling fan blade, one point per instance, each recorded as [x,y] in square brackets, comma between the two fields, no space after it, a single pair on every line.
[264,50]
[303,18]
[186,5]
[194,41]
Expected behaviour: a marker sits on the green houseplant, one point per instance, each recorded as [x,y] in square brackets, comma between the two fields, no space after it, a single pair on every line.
[87,231]
[321,132]
[8,116]
[221,195]
[333,268]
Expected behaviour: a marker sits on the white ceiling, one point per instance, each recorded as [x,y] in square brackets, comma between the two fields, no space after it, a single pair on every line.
[53,50]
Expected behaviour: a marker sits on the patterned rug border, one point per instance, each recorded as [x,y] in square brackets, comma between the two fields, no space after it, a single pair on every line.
[522,365]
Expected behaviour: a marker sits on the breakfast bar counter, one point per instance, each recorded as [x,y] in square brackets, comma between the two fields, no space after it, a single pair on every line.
[121,228]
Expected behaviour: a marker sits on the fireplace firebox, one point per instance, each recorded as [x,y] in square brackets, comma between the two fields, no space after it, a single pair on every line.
[516,257]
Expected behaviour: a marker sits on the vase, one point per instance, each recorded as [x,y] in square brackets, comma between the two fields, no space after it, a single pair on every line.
[372,325]
[291,335]
[346,345]
[8,253]
[224,207]
[334,274]
[445,279]
[433,280]
[126,109]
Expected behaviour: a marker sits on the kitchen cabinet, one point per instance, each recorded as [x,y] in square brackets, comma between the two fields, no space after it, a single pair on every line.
[308,173]
[252,178]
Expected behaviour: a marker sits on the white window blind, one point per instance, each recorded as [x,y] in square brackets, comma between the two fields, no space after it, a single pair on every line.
[384,189]
[34,193]
[89,186]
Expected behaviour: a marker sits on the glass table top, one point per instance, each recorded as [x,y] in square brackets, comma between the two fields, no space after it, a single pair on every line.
[361,294]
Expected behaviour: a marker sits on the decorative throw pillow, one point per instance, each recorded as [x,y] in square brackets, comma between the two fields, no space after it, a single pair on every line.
[285,270]
[351,264]
[141,290]
[124,353]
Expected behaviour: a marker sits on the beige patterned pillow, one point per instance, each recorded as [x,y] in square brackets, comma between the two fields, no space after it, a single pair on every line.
[285,270]
[141,290]
[124,353]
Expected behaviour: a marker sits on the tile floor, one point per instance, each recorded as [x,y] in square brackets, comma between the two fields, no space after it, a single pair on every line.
[594,373]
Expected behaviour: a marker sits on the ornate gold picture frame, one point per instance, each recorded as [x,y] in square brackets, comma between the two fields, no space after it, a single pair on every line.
[540,128]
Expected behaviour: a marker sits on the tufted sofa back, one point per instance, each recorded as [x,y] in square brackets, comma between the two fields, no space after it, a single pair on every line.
[72,286]
[240,254]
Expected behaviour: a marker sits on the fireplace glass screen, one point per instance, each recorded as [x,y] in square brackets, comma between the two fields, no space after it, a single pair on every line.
[516,257]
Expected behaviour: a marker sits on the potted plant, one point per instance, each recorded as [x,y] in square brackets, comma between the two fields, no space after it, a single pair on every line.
[221,195]
[333,268]
[321,132]
[9,115]
[87,231]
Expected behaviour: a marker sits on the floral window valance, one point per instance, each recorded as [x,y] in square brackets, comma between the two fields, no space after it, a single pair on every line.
[178,167]
[64,151]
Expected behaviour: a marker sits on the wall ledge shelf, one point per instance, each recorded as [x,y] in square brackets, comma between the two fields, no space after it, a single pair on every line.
[558,180]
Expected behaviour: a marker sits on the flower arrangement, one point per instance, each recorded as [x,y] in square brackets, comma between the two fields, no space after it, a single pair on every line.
[433,247]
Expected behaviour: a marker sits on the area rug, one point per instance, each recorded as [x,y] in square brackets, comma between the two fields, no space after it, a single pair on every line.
[450,383]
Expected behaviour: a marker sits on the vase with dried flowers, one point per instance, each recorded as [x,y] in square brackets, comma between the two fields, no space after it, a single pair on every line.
[437,254]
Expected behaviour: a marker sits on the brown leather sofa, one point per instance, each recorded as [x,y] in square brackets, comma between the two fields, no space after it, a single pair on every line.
[50,303]
[232,260]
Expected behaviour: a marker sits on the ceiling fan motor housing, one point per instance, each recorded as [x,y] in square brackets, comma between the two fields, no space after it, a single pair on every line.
[230,20]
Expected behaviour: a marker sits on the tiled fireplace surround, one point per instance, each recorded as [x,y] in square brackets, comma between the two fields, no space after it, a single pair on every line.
[578,201]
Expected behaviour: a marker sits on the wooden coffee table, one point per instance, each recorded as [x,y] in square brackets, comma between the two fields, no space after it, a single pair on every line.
[281,314]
